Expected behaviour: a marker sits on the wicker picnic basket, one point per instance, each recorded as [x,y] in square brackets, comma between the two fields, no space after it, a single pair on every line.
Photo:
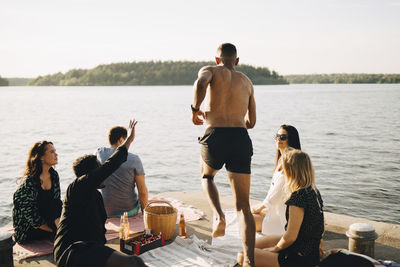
[160,218]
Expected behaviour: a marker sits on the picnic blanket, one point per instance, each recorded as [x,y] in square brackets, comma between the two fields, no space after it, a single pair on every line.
[39,248]
[190,213]
[136,224]
[231,239]
[196,252]
[31,249]
[190,251]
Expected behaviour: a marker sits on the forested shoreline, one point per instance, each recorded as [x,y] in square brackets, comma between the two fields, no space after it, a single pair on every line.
[3,82]
[342,78]
[184,73]
[18,81]
[148,73]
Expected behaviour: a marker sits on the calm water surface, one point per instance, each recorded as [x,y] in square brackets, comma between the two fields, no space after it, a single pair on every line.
[351,132]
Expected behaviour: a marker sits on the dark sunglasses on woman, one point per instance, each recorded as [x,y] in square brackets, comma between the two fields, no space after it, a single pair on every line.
[282,137]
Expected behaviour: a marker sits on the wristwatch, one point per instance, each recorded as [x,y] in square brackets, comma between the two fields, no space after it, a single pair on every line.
[194,110]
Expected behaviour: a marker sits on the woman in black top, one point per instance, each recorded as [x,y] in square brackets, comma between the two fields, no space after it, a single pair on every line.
[299,245]
[37,203]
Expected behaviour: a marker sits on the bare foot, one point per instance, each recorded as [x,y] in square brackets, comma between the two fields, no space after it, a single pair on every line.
[220,228]
[246,264]
[242,261]
[239,258]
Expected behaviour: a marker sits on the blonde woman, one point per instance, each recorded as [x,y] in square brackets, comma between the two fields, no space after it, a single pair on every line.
[299,245]
[269,216]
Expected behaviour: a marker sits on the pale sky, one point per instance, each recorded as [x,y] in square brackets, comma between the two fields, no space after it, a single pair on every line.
[39,37]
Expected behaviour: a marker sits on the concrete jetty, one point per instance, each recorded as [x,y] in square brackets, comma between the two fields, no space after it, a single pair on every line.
[387,246]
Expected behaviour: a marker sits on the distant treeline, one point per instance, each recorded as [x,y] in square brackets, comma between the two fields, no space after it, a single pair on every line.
[3,82]
[18,81]
[344,78]
[182,73]
[148,73]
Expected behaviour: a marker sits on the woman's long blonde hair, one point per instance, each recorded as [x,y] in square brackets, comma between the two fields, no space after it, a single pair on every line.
[298,170]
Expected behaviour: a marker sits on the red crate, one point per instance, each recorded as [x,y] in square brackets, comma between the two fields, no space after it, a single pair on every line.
[140,242]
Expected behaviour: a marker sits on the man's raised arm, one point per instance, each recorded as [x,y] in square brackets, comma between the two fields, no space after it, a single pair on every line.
[95,177]
[131,134]
[200,90]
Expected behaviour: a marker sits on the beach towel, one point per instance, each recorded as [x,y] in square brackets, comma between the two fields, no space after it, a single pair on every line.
[191,251]
[231,240]
[190,213]
[136,224]
[31,249]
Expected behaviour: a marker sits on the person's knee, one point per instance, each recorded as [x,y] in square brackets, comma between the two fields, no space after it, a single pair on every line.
[208,177]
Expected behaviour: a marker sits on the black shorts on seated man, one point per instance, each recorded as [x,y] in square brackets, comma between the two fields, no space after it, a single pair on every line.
[80,236]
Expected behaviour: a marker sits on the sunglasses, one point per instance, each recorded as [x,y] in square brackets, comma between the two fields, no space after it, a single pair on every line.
[282,137]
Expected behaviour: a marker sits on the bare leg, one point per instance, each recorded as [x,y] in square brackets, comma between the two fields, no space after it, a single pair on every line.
[240,184]
[258,219]
[239,258]
[267,241]
[118,259]
[262,258]
[261,243]
[210,189]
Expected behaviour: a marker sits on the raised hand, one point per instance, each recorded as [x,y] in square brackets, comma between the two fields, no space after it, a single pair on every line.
[131,133]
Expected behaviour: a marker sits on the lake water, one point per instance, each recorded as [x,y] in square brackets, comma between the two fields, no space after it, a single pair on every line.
[351,132]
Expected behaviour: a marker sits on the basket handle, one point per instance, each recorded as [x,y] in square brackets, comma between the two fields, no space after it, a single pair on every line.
[159,201]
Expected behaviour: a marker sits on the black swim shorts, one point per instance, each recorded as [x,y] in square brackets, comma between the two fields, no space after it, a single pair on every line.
[231,146]
[80,254]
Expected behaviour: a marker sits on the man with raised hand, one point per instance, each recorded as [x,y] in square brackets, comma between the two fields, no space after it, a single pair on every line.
[119,192]
[80,235]
[229,111]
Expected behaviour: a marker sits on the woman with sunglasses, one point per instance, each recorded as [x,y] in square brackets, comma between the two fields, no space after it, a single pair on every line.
[269,216]
[37,204]
[299,244]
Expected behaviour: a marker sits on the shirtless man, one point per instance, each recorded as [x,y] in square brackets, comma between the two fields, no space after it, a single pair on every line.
[229,111]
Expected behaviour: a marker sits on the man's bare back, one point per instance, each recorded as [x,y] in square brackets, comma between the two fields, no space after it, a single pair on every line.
[230,101]
[230,93]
